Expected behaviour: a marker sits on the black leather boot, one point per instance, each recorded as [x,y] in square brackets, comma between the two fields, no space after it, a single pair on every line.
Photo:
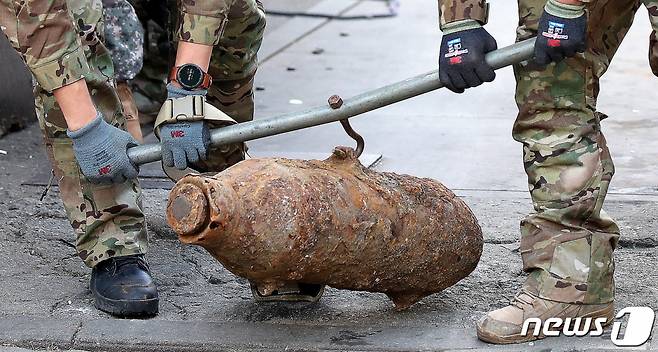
[123,287]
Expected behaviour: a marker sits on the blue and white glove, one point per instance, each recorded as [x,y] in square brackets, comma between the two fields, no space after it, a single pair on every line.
[184,143]
[102,152]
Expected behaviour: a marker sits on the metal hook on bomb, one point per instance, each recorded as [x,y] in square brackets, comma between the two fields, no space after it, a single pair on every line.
[336,102]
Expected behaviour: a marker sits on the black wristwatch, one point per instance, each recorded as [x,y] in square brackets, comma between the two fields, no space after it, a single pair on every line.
[190,77]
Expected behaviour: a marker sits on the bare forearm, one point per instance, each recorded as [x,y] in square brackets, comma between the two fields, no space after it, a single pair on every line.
[571,2]
[192,53]
[76,104]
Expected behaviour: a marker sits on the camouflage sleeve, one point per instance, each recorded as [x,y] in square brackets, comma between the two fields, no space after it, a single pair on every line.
[124,38]
[43,33]
[459,10]
[203,21]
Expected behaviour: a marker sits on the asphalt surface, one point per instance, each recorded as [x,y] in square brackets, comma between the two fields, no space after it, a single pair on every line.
[463,141]
[16,86]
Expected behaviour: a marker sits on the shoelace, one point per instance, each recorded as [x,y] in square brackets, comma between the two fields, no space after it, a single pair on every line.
[522,299]
[119,263]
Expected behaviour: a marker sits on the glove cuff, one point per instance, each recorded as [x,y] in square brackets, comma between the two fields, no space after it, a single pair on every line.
[558,9]
[176,92]
[460,26]
[89,129]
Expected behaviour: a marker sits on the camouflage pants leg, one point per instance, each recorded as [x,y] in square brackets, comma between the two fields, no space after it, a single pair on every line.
[567,245]
[108,220]
[652,7]
[235,61]
[233,67]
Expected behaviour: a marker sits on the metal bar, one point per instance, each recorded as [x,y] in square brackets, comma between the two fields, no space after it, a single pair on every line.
[360,142]
[357,105]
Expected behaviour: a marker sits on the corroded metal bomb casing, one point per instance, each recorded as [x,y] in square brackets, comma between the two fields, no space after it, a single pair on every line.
[330,222]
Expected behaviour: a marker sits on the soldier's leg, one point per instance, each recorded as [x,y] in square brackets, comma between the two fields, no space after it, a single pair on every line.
[233,66]
[567,245]
[108,220]
[652,7]
[235,60]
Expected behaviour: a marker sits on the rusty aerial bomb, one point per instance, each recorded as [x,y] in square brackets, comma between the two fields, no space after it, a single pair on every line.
[333,222]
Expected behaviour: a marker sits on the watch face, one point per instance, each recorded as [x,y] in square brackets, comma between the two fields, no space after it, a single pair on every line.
[190,76]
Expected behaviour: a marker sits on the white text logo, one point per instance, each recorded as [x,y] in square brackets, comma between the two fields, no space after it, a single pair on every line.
[636,330]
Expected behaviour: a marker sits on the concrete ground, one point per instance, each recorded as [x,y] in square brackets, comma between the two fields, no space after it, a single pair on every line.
[462,140]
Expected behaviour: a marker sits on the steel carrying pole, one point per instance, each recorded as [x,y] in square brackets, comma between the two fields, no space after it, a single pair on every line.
[338,110]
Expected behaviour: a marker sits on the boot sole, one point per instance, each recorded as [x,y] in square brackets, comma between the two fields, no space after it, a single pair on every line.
[518,338]
[125,308]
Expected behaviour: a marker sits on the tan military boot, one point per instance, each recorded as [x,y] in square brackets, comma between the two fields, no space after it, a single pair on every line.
[130,110]
[505,325]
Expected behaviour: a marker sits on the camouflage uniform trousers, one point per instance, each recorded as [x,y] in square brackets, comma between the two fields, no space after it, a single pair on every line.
[108,220]
[652,7]
[567,245]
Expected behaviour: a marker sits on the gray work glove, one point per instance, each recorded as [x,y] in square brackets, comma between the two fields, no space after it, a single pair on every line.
[184,143]
[101,151]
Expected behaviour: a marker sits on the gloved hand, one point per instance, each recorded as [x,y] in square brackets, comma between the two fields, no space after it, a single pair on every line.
[463,50]
[101,151]
[562,32]
[184,143]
